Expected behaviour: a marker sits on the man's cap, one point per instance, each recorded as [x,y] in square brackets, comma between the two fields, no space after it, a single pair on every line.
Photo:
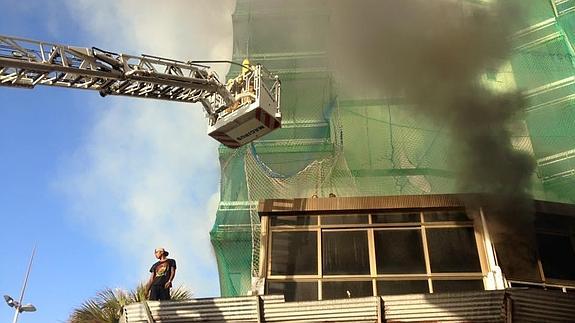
[162,250]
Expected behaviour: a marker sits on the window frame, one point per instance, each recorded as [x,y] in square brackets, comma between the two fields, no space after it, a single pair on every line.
[371,228]
[566,231]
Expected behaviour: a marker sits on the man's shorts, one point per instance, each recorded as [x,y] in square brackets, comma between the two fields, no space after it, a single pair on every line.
[159,293]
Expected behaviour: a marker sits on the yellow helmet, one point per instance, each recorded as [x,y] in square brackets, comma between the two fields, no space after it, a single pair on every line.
[245,68]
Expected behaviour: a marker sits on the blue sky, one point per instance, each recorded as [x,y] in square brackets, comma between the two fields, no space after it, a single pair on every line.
[95,182]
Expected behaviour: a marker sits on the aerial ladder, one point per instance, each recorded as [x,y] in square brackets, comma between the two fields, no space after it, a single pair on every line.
[238,111]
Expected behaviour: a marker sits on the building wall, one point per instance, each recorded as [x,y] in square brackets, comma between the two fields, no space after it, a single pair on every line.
[355,145]
[544,67]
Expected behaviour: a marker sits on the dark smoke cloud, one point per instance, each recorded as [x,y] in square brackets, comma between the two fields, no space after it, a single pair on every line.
[433,54]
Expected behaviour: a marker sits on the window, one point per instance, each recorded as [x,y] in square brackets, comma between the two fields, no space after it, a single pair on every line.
[557,256]
[345,253]
[443,216]
[346,289]
[398,287]
[555,265]
[453,250]
[294,253]
[345,219]
[293,291]
[445,286]
[556,248]
[294,220]
[396,218]
[388,253]
[399,251]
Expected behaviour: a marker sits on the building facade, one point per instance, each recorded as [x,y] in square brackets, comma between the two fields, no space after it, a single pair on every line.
[357,146]
[333,248]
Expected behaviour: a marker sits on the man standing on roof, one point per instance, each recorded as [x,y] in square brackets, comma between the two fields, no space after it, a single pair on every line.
[163,273]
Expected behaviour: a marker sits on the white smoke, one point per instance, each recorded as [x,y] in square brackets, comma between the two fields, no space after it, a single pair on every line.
[147,174]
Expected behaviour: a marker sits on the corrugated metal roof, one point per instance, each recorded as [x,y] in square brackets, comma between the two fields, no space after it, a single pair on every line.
[529,305]
[512,305]
[366,309]
[488,306]
[232,309]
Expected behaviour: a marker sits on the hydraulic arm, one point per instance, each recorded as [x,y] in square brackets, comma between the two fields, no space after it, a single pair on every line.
[27,63]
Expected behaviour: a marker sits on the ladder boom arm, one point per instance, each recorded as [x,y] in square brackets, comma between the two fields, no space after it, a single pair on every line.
[27,63]
[240,111]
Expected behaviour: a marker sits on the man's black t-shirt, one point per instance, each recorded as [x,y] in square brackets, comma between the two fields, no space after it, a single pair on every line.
[162,271]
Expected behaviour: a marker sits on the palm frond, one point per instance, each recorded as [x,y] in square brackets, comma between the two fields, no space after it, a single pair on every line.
[106,306]
[139,294]
[180,293]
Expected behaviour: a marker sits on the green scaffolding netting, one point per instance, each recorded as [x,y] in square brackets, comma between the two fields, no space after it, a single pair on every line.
[354,145]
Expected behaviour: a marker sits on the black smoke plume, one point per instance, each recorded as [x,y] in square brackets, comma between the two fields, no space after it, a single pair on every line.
[434,53]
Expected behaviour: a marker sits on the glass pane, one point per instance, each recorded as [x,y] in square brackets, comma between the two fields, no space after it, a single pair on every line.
[396,217]
[398,287]
[293,291]
[399,252]
[444,286]
[453,250]
[346,289]
[452,215]
[551,222]
[345,253]
[294,253]
[557,256]
[345,219]
[300,220]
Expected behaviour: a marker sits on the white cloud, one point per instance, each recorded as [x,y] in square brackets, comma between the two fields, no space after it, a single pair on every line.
[147,174]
